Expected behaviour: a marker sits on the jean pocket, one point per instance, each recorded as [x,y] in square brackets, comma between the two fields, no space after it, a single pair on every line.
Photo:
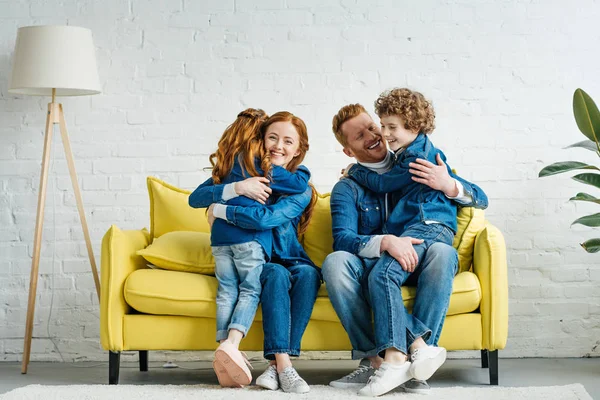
[370,215]
[446,235]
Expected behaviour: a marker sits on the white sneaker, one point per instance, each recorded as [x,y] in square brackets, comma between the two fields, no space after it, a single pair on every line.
[291,382]
[269,379]
[425,361]
[386,378]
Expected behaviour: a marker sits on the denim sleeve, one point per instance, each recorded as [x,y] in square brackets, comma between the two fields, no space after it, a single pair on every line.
[286,182]
[206,194]
[391,181]
[268,217]
[344,220]
[478,197]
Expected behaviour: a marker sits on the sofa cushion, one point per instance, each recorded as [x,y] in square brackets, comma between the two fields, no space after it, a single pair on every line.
[318,239]
[180,293]
[470,221]
[170,210]
[181,251]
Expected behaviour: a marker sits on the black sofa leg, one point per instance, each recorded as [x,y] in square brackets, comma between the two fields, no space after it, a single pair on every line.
[484,358]
[493,360]
[143,360]
[113,367]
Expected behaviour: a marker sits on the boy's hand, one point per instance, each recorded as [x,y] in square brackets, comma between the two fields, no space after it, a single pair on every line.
[344,171]
[210,215]
[434,176]
[401,248]
[254,188]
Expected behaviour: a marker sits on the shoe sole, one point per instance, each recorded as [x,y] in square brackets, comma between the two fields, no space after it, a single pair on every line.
[267,384]
[424,370]
[223,377]
[417,391]
[342,385]
[235,371]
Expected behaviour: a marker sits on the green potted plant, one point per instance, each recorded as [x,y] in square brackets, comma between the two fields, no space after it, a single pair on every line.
[587,117]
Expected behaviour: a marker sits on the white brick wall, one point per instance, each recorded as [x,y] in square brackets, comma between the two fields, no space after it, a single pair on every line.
[175,73]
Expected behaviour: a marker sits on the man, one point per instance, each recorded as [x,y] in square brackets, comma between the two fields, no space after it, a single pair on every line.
[368,268]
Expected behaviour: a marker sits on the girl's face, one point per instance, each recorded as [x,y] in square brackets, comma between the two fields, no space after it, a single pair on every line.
[282,142]
[393,130]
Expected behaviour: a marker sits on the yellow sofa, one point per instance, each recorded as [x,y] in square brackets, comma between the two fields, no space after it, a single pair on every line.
[153,309]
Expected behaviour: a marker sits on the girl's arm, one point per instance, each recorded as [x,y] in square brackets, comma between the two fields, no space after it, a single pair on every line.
[262,218]
[393,180]
[286,182]
[206,194]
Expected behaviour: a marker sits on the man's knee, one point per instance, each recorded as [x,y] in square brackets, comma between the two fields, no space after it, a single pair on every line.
[309,273]
[337,266]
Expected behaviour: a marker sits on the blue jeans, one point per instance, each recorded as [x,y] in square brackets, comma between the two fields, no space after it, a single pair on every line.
[237,268]
[288,297]
[356,285]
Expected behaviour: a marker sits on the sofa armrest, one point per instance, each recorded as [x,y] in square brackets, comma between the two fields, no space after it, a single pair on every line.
[118,260]
[490,266]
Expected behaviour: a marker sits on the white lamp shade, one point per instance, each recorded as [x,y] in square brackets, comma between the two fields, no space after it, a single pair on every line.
[59,57]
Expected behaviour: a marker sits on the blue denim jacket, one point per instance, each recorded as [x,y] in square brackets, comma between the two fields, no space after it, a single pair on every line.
[415,202]
[224,234]
[282,217]
[356,214]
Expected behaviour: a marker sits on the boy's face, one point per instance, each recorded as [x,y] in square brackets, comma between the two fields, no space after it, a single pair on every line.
[363,139]
[394,132]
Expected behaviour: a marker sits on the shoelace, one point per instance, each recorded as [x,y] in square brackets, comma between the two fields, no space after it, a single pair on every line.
[378,374]
[291,375]
[272,372]
[414,354]
[359,370]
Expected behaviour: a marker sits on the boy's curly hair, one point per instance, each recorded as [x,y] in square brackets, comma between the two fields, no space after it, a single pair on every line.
[416,111]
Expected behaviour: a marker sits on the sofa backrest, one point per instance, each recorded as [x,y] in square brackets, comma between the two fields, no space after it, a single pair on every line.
[170,211]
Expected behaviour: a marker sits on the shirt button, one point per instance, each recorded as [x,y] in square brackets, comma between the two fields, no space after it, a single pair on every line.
[377,208]
[367,209]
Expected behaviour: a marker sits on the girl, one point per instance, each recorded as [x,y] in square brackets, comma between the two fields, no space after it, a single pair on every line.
[241,253]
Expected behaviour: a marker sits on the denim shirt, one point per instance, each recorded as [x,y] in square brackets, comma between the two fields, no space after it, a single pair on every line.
[282,217]
[415,202]
[356,214]
[225,234]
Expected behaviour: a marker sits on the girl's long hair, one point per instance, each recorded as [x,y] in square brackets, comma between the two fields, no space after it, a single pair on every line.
[233,141]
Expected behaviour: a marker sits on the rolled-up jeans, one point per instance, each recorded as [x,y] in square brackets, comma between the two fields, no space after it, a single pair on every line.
[237,268]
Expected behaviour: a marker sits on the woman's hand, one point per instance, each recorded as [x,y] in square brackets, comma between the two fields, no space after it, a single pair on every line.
[434,176]
[210,215]
[254,188]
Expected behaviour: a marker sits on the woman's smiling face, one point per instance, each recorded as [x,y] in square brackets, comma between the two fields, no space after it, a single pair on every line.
[282,143]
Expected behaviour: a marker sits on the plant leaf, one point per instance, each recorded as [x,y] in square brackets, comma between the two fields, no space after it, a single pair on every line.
[587,115]
[588,179]
[586,144]
[564,166]
[591,246]
[589,220]
[585,197]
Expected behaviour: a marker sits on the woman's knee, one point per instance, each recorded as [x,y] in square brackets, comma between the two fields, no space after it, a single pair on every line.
[274,274]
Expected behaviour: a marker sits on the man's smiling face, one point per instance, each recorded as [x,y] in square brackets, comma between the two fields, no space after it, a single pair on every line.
[363,139]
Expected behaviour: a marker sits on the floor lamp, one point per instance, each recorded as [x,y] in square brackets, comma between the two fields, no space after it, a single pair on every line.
[53,61]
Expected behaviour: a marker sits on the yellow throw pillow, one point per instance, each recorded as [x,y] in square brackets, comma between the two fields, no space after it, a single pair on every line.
[318,238]
[469,222]
[181,251]
[170,210]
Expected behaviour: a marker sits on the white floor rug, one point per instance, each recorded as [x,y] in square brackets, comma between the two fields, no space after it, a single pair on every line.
[195,392]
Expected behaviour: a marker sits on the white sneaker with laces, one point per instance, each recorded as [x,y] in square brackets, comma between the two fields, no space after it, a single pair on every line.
[269,379]
[386,378]
[291,382]
[426,360]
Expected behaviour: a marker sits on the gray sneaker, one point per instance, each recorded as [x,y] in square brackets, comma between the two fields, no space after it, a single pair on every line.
[416,386]
[356,379]
[291,382]
[269,379]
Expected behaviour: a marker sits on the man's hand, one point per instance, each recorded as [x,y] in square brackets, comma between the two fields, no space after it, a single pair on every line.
[254,188]
[434,176]
[401,248]
[210,215]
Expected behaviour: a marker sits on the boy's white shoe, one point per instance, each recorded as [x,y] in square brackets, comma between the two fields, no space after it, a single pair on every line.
[425,361]
[269,379]
[386,378]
